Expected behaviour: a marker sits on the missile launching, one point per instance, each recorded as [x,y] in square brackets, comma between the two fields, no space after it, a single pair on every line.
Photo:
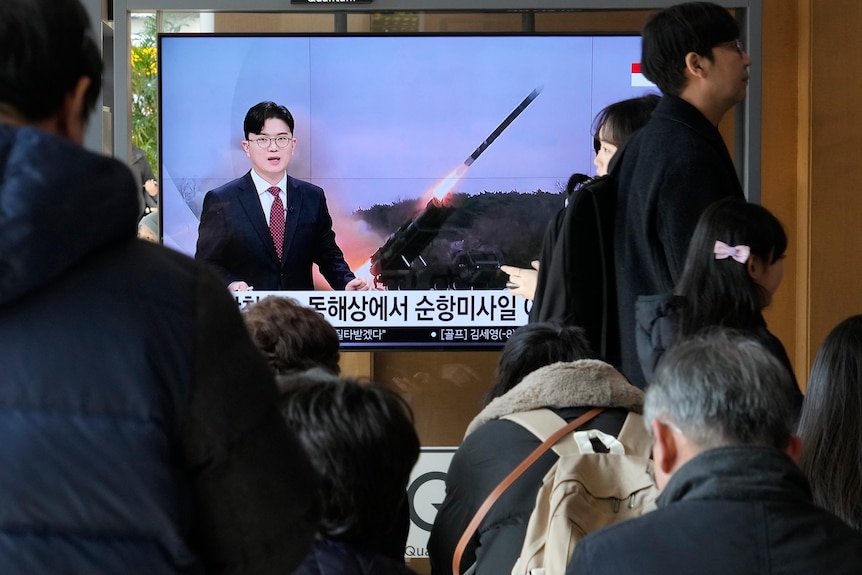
[395,257]
[503,125]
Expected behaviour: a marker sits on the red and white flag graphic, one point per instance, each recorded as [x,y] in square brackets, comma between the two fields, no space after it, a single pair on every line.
[638,79]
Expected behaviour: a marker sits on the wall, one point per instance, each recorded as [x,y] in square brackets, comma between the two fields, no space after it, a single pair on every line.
[778,163]
[829,162]
[811,142]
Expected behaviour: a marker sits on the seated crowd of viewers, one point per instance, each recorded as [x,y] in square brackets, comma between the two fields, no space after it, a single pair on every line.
[174,433]
[717,411]
[725,451]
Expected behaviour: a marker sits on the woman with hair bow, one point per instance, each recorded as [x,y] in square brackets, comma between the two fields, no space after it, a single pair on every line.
[734,265]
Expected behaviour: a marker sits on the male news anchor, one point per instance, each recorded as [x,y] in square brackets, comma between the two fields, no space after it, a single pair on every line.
[265,229]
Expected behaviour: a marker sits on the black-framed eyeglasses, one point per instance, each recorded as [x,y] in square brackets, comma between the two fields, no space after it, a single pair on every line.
[735,44]
[280,141]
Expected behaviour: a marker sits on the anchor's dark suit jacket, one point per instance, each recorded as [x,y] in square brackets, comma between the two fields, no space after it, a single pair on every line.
[234,238]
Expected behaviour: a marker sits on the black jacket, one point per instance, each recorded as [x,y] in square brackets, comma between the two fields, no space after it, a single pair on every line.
[673,168]
[330,557]
[575,282]
[740,510]
[657,320]
[142,172]
[493,447]
[137,419]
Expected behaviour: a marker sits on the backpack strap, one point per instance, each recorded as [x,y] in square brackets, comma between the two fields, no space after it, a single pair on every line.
[543,423]
[509,479]
[634,436]
[604,258]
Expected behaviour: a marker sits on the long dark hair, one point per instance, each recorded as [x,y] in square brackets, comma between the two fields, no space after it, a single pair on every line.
[720,292]
[830,425]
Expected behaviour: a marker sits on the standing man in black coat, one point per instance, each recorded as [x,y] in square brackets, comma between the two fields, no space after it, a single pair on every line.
[678,164]
[733,499]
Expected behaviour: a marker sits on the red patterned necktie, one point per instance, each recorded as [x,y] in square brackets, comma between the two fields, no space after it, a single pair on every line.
[276,220]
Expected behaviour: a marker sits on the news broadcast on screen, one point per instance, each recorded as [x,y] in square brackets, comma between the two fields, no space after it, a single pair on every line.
[442,157]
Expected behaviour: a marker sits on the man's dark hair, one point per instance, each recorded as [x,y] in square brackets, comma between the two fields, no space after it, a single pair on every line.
[291,336]
[258,114]
[362,442]
[672,33]
[533,346]
[46,47]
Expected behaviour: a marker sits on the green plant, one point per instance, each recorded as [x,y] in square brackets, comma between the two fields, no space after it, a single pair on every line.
[145,125]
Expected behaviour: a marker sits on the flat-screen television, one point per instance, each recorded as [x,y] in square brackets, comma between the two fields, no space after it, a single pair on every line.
[441,156]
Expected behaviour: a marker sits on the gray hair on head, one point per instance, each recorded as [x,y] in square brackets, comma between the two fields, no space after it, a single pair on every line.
[721,387]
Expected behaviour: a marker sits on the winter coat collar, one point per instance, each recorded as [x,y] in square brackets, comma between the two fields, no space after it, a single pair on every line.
[675,109]
[739,473]
[586,382]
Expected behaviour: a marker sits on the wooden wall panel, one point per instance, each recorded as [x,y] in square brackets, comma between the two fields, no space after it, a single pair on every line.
[778,160]
[624,21]
[268,23]
[835,170]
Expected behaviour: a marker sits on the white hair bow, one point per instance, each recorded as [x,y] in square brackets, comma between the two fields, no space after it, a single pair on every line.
[724,251]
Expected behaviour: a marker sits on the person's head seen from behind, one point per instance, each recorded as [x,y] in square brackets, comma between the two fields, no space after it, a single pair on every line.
[716,389]
[362,441]
[734,265]
[533,346]
[830,426]
[55,82]
[291,336]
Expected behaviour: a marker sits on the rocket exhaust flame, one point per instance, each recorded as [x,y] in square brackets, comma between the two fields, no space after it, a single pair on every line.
[445,186]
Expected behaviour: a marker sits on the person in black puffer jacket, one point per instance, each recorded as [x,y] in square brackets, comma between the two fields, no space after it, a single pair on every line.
[139,425]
